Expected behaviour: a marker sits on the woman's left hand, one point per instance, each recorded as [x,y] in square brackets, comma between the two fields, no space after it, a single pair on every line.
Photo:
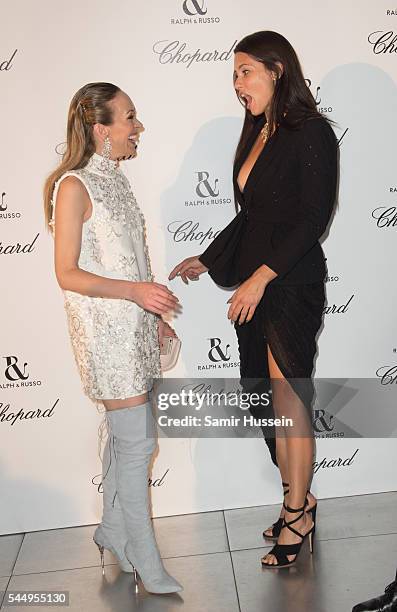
[244,301]
[165,330]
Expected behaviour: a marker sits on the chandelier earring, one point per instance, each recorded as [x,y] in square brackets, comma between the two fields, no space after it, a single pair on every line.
[107,148]
[106,152]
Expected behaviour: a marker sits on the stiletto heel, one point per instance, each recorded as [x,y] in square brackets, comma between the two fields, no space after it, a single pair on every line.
[102,553]
[281,551]
[313,512]
[311,541]
[103,544]
[135,579]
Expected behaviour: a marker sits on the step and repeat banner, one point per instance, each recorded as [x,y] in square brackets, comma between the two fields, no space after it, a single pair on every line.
[175,59]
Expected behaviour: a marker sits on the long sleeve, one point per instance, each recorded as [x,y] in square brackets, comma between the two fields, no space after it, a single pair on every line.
[219,256]
[317,152]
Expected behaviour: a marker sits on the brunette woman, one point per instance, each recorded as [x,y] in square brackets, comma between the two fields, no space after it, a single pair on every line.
[285,177]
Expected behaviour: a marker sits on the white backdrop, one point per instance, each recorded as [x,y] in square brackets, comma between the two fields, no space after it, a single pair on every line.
[162,54]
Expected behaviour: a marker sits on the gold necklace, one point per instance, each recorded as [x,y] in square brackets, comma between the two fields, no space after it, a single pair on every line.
[265,133]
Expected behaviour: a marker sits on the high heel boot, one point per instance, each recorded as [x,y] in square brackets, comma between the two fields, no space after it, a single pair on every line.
[111,532]
[133,431]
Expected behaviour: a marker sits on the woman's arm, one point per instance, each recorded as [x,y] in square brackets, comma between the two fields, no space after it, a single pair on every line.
[220,256]
[216,259]
[318,178]
[72,208]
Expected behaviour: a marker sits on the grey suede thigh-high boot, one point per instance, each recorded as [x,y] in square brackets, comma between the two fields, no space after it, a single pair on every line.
[111,533]
[133,430]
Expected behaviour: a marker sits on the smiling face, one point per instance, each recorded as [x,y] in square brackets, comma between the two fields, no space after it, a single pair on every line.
[253,83]
[125,130]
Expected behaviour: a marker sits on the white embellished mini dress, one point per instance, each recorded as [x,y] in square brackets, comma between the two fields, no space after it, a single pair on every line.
[115,341]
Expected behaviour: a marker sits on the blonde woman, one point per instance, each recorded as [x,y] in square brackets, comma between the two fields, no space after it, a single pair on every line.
[114,312]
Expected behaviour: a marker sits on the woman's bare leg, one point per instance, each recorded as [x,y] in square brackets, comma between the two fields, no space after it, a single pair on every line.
[299,452]
[282,461]
[114,404]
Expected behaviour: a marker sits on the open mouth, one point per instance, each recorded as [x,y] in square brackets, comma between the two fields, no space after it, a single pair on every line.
[134,140]
[246,99]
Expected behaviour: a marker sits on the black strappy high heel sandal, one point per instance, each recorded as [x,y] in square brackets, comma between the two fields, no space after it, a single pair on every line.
[280,551]
[277,526]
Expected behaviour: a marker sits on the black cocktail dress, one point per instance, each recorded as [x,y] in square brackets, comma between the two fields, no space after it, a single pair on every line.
[285,208]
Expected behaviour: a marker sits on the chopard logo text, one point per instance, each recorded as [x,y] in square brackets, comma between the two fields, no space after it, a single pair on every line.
[175,52]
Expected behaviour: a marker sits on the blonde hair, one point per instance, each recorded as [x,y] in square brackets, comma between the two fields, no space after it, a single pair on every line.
[89,105]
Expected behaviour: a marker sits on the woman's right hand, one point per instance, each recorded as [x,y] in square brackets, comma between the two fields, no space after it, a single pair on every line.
[189,268]
[154,297]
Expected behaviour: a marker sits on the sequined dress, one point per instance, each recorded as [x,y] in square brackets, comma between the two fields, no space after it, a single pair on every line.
[115,341]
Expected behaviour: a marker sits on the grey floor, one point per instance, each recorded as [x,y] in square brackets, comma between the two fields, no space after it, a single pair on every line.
[216,556]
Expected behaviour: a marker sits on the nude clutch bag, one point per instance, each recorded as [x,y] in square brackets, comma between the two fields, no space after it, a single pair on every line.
[169,352]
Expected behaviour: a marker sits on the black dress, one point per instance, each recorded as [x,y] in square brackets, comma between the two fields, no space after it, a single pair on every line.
[285,208]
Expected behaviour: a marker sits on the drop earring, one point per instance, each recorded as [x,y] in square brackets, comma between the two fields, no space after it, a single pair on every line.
[106,151]
[107,148]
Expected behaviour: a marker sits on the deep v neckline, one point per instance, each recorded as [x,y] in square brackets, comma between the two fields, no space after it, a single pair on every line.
[251,172]
[252,167]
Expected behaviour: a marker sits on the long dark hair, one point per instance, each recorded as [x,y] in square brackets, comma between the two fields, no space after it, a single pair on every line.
[291,94]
